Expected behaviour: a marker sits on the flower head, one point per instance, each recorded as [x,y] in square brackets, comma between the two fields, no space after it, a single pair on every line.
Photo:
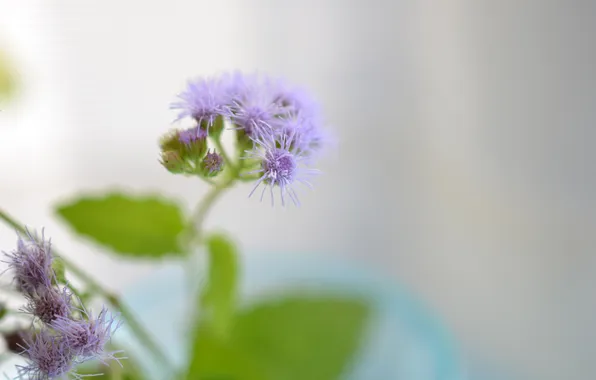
[31,263]
[278,125]
[48,357]
[294,100]
[49,303]
[212,163]
[254,108]
[280,166]
[188,136]
[87,337]
[204,99]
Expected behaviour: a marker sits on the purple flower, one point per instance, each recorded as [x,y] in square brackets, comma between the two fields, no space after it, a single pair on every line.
[280,166]
[283,122]
[294,100]
[254,108]
[31,263]
[191,135]
[87,337]
[305,132]
[212,163]
[233,84]
[48,304]
[204,99]
[48,357]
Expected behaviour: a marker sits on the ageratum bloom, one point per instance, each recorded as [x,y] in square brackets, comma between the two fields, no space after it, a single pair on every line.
[281,166]
[48,357]
[188,136]
[31,263]
[212,163]
[88,336]
[48,304]
[204,100]
[254,108]
[294,100]
[279,126]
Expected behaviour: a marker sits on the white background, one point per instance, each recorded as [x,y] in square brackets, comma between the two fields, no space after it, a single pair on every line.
[464,167]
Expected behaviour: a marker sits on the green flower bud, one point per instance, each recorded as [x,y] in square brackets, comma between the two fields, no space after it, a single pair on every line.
[172,161]
[171,141]
[194,143]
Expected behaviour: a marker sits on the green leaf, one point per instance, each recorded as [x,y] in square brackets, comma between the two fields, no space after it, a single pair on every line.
[218,297]
[294,338]
[146,227]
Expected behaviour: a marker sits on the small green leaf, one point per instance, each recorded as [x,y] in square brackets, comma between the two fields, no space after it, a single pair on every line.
[294,338]
[218,297]
[145,227]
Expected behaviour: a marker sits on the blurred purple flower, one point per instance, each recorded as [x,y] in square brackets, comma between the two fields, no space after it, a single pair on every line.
[294,100]
[87,337]
[48,304]
[253,109]
[48,357]
[283,121]
[203,99]
[281,166]
[212,163]
[31,263]
[190,135]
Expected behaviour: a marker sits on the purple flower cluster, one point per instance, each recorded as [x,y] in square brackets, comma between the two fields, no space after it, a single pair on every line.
[66,335]
[279,125]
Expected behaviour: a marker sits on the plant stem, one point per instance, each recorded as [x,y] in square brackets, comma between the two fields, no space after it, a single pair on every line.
[203,208]
[226,157]
[136,327]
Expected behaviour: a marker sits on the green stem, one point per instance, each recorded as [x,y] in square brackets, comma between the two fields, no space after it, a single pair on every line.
[225,156]
[194,234]
[136,327]
[205,205]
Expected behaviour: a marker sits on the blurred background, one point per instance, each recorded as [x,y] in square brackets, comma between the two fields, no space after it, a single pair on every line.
[464,168]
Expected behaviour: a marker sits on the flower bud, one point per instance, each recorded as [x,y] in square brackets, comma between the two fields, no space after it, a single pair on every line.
[193,143]
[172,161]
[212,164]
[171,141]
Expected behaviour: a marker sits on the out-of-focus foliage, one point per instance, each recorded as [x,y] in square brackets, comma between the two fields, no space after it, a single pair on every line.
[218,298]
[141,227]
[291,338]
